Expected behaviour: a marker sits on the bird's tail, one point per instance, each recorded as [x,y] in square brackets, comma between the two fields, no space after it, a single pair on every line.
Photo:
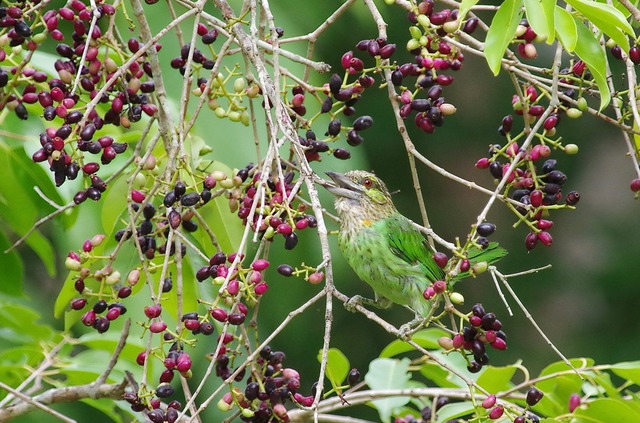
[490,255]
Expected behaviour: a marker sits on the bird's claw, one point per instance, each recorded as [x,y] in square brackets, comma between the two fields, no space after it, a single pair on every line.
[352,303]
[405,332]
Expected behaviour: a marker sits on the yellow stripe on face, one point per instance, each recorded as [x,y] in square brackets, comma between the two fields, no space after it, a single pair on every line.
[367,222]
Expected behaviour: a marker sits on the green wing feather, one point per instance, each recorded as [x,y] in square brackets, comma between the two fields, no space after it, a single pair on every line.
[491,254]
[409,244]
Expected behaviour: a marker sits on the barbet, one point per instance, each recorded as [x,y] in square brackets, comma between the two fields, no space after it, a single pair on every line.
[384,248]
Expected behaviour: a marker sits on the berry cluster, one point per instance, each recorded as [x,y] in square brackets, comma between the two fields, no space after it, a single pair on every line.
[484,329]
[79,129]
[434,55]
[110,289]
[537,189]
[267,390]
[276,217]
[426,413]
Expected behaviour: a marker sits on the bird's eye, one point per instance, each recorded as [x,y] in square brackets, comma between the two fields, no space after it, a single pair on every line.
[367,182]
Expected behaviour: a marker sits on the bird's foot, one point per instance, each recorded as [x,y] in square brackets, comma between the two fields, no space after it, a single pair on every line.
[406,331]
[354,302]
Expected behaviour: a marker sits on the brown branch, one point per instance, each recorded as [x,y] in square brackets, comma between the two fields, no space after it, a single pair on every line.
[59,395]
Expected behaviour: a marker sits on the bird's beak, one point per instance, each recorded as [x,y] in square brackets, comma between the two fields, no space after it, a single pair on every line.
[344,187]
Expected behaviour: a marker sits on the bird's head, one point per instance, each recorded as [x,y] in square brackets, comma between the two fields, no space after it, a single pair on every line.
[361,193]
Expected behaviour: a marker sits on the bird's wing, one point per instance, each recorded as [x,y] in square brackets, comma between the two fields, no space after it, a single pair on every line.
[491,254]
[409,244]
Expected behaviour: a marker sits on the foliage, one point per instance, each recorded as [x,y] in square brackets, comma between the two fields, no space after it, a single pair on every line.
[172,151]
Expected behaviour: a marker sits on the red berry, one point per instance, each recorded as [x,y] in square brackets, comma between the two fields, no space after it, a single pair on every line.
[536,198]
[545,238]
[574,402]
[499,344]
[137,196]
[496,413]
[441,259]
[635,185]
[260,265]
[531,240]
[483,163]
[440,286]
[465,265]
[489,402]
[141,358]
[219,314]
[544,224]
[153,311]
[157,326]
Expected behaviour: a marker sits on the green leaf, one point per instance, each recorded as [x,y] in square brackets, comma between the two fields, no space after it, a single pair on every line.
[454,410]
[427,338]
[12,269]
[114,205]
[501,32]
[66,294]
[438,374]
[496,379]
[16,183]
[337,366]
[541,17]
[566,28]
[465,6]
[629,370]
[588,48]
[606,410]
[387,373]
[14,318]
[227,227]
[607,18]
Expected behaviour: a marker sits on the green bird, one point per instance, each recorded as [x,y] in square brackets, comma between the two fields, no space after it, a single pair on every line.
[384,248]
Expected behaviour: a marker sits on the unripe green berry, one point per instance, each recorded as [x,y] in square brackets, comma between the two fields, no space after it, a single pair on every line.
[415,31]
[413,44]
[220,112]
[234,116]
[450,27]
[239,85]
[574,113]
[113,278]
[571,149]
[456,298]
[480,267]
[582,104]
[424,21]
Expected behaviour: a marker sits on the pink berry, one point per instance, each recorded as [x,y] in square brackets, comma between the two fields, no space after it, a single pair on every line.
[141,358]
[499,344]
[439,286]
[261,288]
[483,163]
[545,238]
[544,224]
[259,265]
[219,314]
[574,402]
[316,277]
[137,196]
[284,229]
[489,402]
[465,265]
[496,413]
[429,293]
[157,326]
[441,259]
[635,185]
[153,311]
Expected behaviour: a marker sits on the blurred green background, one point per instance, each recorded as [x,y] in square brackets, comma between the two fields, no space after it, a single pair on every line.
[586,303]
